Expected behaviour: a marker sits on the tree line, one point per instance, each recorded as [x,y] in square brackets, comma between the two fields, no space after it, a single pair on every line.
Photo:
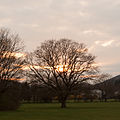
[56,70]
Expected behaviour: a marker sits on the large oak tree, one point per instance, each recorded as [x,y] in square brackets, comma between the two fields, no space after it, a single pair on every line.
[62,65]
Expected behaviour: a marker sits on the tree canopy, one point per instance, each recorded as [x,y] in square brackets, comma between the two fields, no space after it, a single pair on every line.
[62,65]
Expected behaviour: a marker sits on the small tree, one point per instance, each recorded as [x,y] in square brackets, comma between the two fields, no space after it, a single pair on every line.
[11,60]
[62,65]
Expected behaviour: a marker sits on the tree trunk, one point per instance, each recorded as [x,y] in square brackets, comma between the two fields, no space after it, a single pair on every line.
[62,99]
[91,100]
[105,99]
[63,104]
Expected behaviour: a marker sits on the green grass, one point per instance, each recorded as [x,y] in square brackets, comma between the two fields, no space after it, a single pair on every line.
[75,111]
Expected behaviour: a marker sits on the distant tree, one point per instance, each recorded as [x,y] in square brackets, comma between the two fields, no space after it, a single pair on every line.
[87,93]
[83,92]
[61,66]
[37,91]
[11,60]
[41,94]
[117,92]
[26,93]
[106,86]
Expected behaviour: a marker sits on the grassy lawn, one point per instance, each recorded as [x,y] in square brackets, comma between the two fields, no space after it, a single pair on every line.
[75,111]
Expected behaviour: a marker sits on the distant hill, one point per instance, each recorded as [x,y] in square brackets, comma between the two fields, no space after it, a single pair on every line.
[115,80]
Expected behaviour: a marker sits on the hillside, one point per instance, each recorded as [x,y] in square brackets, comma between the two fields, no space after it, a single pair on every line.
[115,80]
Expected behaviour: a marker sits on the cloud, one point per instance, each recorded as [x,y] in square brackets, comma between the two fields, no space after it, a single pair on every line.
[30,25]
[93,22]
[5,21]
[113,69]
[108,43]
[84,3]
[118,44]
[92,32]
[105,43]
[97,42]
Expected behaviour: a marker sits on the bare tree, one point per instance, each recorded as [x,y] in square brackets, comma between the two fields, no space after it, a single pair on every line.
[11,58]
[62,65]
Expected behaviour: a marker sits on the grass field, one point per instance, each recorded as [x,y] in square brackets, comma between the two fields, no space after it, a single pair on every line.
[75,111]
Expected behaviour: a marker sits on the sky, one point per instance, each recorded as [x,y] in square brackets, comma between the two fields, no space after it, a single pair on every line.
[93,22]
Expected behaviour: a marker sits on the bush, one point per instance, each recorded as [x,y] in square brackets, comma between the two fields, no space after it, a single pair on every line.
[10,96]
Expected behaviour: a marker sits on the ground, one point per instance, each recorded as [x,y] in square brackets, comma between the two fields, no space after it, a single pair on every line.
[75,111]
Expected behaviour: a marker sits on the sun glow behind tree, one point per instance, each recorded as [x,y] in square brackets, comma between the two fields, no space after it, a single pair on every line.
[12,57]
[61,65]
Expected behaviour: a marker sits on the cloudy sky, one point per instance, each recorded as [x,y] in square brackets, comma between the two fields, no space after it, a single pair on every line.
[93,22]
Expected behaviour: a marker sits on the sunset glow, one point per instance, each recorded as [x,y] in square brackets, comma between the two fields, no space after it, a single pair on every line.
[61,68]
[18,55]
[58,68]
[15,54]
[27,67]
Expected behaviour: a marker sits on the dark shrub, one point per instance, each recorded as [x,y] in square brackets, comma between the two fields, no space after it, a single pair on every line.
[10,95]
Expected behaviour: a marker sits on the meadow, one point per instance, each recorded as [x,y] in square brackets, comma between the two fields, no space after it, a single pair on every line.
[74,111]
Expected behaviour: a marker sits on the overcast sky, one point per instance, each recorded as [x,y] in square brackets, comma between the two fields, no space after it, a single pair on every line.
[93,22]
